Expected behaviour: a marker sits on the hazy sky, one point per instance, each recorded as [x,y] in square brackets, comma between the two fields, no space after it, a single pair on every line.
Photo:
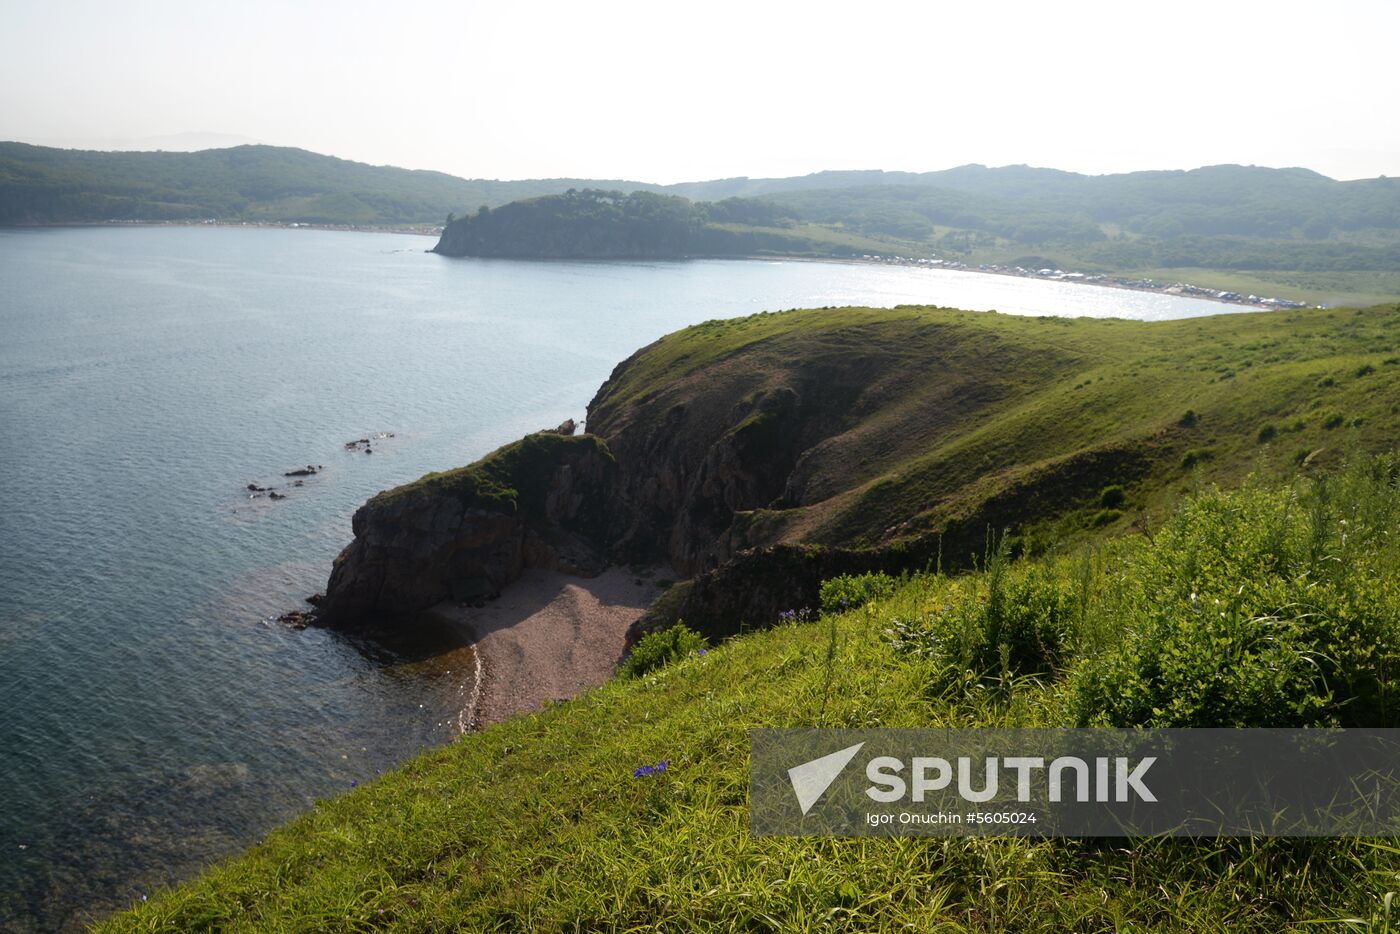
[677,91]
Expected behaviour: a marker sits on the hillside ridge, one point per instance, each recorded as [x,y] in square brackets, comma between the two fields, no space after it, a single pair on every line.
[758,456]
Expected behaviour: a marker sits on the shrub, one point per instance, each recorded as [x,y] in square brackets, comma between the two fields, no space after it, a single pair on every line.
[1012,625]
[1267,434]
[1259,608]
[1189,419]
[852,590]
[1105,517]
[1112,497]
[1332,419]
[658,649]
[1196,456]
[1365,369]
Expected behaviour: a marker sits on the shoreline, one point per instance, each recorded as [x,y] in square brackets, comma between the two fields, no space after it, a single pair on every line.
[547,638]
[1104,280]
[1101,280]
[417,230]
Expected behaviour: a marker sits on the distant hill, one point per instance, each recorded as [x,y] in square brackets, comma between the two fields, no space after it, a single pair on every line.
[41,185]
[1241,228]
[1221,199]
[1237,228]
[599,224]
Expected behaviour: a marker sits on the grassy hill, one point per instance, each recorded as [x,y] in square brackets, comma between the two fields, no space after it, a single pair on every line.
[540,823]
[1129,591]
[840,440]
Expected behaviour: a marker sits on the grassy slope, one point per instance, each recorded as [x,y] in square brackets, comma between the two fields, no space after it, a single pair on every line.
[950,411]
[538,824]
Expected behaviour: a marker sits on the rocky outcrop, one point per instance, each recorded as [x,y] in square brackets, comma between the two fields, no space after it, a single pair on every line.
[539,503]
[759,457]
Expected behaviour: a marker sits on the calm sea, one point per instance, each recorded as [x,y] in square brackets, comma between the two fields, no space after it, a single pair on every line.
[153,719]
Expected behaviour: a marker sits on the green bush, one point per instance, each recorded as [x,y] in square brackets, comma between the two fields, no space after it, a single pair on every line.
[658,649]
[1196,456]
[1332,419]
[1105,517]
[1112,497]
[1259,608]
[1267,434]
[1189,419]
[852,590]
[1015,624]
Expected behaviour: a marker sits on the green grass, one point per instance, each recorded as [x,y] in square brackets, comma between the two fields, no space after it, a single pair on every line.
[911,421]
[538,824]
[510,478]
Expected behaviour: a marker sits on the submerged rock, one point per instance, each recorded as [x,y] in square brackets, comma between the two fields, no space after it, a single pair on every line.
[307,471]
[298,619]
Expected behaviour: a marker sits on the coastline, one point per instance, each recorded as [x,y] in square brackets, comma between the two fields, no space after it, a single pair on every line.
[1104,280]
[548,637]
[418,230]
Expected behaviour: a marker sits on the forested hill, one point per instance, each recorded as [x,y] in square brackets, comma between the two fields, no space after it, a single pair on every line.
[269,184]
[1241,228]
[598,224]
[1223,200]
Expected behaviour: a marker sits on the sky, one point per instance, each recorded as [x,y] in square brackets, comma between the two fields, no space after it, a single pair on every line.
[667,92]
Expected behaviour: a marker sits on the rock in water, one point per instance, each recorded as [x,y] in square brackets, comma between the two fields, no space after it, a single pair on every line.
[297,619]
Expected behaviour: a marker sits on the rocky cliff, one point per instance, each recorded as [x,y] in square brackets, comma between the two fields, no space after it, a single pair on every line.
[541,502]
[758,456]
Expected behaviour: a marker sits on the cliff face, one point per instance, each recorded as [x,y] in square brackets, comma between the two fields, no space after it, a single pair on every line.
[465,534]
[701,448]
[761,455]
